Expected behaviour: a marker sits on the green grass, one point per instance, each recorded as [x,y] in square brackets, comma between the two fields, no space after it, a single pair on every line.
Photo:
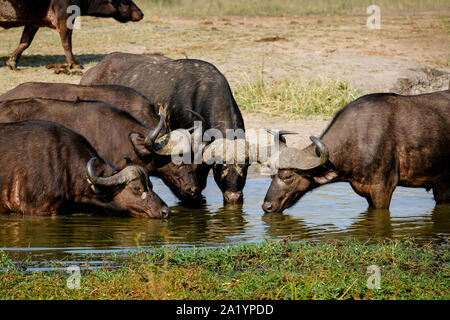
[271,270]
[294,98]
[280,7]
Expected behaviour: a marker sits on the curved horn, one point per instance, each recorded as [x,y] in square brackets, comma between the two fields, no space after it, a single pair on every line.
[174,142]
[225,150]
[323,150]
[123,177]
[292,158]
[198,115]
[281,134]
[151,138]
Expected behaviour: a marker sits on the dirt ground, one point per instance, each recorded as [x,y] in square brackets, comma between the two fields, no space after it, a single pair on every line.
[410,54]
[304,127]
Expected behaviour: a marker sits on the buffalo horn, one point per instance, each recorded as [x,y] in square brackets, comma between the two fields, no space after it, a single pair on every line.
[123,177]
[281,134]
[172,142]
[151,138]
[220,148]
[292,158]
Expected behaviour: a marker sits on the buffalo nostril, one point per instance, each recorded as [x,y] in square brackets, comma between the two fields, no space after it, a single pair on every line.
[267,207]
[195,191]
[231,197]
[137,16]
[165,212]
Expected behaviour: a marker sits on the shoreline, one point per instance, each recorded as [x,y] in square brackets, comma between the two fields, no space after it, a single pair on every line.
[273,270]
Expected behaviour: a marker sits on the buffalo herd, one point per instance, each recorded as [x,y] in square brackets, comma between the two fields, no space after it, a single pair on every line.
[92,147]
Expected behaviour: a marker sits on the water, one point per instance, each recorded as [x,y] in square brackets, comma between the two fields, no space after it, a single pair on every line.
[330,212]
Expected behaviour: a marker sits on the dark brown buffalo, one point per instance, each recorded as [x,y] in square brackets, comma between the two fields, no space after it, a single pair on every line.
[114,133]
[376,143]
[47,169]
[183,85]
[122,97]
[56,14]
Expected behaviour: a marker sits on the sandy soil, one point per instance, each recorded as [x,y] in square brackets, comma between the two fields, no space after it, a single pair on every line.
[304,127]
[409,55]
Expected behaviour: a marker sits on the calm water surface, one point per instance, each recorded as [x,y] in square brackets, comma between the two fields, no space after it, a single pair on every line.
[331,212]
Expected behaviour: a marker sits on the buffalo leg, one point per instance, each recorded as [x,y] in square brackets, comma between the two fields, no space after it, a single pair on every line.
[65,34]
[27,37]
[442,193]
[381,196]
[378,196]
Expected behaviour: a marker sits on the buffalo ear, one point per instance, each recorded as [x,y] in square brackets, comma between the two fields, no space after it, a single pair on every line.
[327,177]
[138,141]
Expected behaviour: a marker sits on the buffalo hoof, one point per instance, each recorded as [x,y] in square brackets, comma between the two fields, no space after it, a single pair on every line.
[76,66]
[12,64]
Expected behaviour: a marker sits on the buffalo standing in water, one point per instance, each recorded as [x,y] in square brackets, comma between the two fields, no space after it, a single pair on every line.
[376,143]
[183,85]
[54,14]
[47,169]
[115,134]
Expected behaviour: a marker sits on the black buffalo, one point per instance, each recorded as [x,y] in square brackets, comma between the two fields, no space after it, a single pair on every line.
[376,143]
[114,133]
[48,169]
[183,85]
[34,14]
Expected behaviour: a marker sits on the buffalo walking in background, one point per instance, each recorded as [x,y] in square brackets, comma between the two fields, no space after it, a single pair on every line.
[34,14]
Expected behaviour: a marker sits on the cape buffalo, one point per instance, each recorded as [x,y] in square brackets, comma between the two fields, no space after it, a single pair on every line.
[47,169]
[114,133]
[121,97]
[57,14]
[183,85]
[375,143]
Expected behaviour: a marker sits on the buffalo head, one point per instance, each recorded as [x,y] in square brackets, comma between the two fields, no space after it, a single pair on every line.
[121,10]
[230,166]
[299,171]
[158,151]
[129,190]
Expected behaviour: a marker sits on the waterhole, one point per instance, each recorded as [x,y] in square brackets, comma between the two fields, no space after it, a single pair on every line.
[330,212]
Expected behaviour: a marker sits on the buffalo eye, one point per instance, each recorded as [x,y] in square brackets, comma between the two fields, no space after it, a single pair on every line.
[137,190]
[150,184]
[286,176]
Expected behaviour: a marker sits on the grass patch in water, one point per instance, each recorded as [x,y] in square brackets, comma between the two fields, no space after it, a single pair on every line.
[271,270]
